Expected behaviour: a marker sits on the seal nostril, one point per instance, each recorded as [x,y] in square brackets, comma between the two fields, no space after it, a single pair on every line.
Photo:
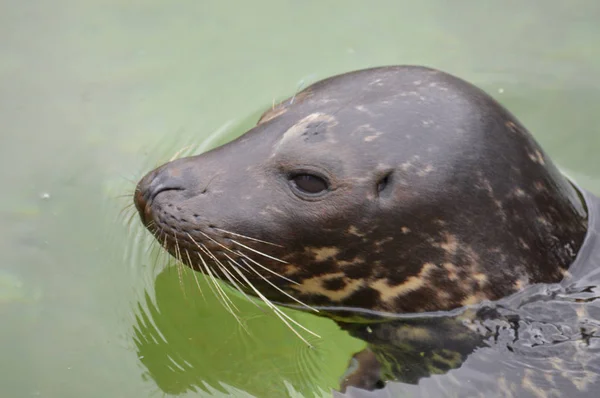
[156,189]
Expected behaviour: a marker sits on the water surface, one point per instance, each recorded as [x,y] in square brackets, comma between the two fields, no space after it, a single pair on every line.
[93,94]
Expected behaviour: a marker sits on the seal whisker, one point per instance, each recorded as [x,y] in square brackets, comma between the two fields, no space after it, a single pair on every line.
[224,272]
[179,264]
[160,253]
[208,141]
[226,300]
[258,252]
[243,255]
[124,195]
[204,266]
[298,89]
[154,230]
[216,260]
[266,269]
[247,237]
[129,220]
[232,279]
[241,290]
[210,273]
[231,264]
[213,274]
[187,253]
[126,208]
[280,314]
[179,152]
[279,289]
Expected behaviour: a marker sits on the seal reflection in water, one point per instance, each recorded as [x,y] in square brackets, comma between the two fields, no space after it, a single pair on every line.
[382,198]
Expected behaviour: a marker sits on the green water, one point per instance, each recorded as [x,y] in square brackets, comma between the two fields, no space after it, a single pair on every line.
[95,93]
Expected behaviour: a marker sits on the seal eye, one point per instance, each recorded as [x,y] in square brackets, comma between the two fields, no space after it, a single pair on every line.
[309,183]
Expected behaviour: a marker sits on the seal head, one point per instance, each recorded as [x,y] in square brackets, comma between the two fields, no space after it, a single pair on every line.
[399,189]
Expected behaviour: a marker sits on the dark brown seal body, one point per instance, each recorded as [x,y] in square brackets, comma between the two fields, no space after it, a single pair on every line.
[399,190]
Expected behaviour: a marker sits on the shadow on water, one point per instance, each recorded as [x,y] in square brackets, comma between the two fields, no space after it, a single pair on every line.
[187,342]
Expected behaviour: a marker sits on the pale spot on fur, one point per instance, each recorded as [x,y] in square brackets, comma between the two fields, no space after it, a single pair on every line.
[452,271]
[405,230]
[520,284]
[443,296]
[370,138]
[543,221]
[450,244]
[356,260]
[370,133]
[273,209]
[323,253]
[512,126]
[290,269]
[383,241]
[299,128]
[315,286]
[484,183]
[519,192]
[362,108]
[480,278]
[424,171]
[537,157]
[352,230]
[436,85]
[389,292]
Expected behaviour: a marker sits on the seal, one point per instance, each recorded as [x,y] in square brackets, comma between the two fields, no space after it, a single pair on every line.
[392,190]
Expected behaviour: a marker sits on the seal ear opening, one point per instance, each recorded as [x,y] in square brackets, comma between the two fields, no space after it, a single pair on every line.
[384,182]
